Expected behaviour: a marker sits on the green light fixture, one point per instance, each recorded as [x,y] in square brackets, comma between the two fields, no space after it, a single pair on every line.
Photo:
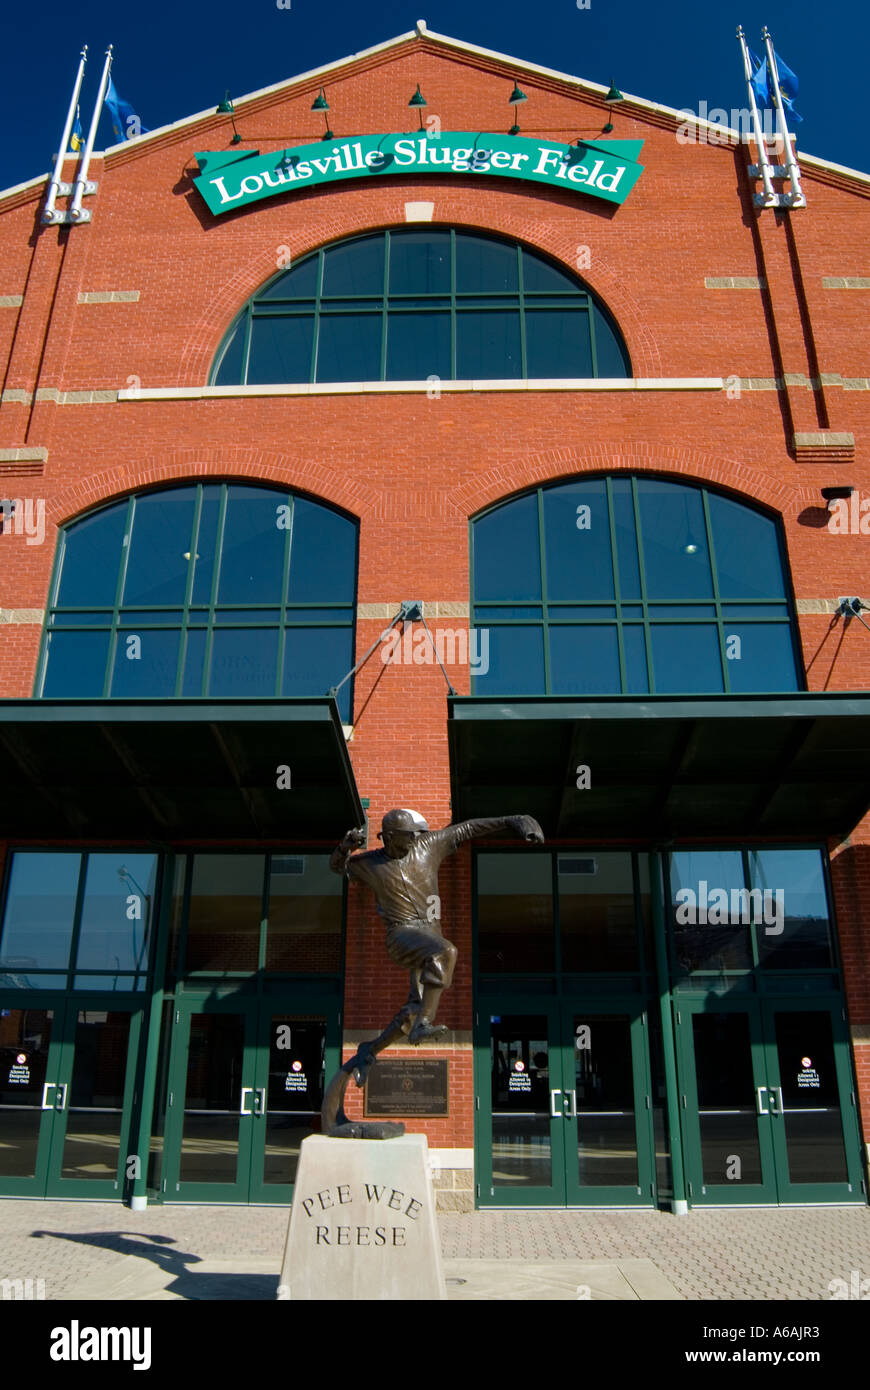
[321,104]
[612,97]
[516,96]
[419,101]
[226,108]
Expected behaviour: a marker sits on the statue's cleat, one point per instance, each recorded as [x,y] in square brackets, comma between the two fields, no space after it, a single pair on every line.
[423,1029]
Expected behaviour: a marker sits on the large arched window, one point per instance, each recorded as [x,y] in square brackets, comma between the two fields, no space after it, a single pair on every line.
[411,304]
[630,585]
[211,589]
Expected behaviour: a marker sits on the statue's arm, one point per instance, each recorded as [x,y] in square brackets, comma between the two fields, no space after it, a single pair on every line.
[524,827]
[341,855]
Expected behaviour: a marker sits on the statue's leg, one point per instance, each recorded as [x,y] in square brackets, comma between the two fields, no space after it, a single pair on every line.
[435,976]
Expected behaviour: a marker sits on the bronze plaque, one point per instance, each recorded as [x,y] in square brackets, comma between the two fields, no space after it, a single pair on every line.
[408,1086]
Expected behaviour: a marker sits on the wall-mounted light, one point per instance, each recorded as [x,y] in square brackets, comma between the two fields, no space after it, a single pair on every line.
[226,108]
[516,97]
[419,101]
[321,104]
[613,96]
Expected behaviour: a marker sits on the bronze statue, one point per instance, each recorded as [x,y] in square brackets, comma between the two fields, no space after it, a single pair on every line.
[404,879]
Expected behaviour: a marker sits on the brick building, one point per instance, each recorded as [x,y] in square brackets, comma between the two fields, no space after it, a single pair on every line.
[586,415]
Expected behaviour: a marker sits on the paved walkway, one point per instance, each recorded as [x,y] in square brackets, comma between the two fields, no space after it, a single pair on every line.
[103,1251]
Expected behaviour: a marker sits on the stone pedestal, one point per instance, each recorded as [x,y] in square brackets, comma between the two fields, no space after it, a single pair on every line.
[362,1223]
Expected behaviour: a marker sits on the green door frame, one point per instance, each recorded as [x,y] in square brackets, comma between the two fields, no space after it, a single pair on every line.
[255,1009]
[565,1112]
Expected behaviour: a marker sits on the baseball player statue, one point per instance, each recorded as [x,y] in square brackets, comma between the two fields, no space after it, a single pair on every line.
[403,876]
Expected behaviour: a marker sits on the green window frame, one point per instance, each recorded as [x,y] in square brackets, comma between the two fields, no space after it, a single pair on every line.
[602,340]
[201,620]
[639,617]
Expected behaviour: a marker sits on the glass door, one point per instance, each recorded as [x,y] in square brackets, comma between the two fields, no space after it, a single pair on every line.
[30,1053]
[294,1053]
[522,1097]
[608,1125]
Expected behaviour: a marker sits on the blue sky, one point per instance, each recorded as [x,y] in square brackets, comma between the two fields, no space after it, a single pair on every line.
[173,59]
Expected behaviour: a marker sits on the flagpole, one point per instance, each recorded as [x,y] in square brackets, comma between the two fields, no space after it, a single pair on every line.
[769,196]
[48,212]
[76,212]
[797,198]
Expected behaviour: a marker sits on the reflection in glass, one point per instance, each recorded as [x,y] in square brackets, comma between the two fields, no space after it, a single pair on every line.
[521,1149]
[226,907]
[710,924]
[596,912]
[810,1097]
[726,1099]
[604,1088]
[515,913]
[117,912]
[294,1093]
[40,908]
[92,1143]
[212,1100]
[797,934]
[159,544]
[305,910]
[25,1035]
[579,562]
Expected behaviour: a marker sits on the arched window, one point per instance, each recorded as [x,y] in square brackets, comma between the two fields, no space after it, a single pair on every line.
[411,304]
[630,585]
[211,589]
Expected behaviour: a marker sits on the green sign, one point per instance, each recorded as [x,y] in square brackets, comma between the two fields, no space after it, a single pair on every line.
[234,179]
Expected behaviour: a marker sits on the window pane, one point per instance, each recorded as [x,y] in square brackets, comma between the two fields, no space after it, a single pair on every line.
[686,659]
[507,556]
[739,533]
[281,349]
[349,347]
[584,661]
[117,912]
[485,266]
[316,658]
[706,934]
[596,913]
[634,647]
[766,657]
[40,907]
[298,283]
[319,532]
[539,275]
[418,346]
[76,664]
[577,531]
[252,558]
[226,906]
[488,345]
[92,553]
[305,901]
[516,662]
[795,933]
[557,343]
[420,263]
[626,539]
[146,663]
[243,662]
[610,358]
[355,268]
[229,372]
[515,913]
[194,661]
[676,562]
[206,543]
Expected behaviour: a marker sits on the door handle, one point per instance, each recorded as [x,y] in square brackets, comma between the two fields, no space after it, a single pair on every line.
[261,1100]
[571,1097]
[246,1091]
[759,1102]
[555,1114]
[776,1094]
[49,1086]
[60,1104]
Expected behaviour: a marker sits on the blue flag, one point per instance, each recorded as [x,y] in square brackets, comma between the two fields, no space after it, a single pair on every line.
[763,85]
[125,122]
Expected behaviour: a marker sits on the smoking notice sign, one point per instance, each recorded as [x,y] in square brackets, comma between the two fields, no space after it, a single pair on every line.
[408,1086]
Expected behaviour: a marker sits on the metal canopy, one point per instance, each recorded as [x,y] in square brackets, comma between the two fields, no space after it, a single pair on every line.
[772,765]
[175,770]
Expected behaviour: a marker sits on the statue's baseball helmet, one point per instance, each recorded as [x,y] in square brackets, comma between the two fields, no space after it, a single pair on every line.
[403,819]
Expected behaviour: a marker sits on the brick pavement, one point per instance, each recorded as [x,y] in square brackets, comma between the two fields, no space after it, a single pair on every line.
[103,1250]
